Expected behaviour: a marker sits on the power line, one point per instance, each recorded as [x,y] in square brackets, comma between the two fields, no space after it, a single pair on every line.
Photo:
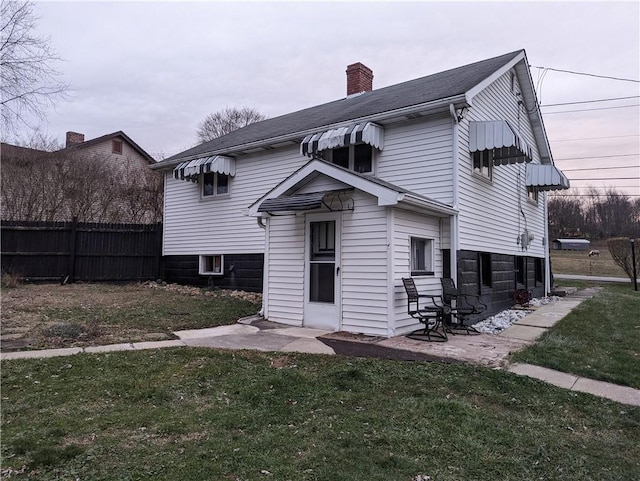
[591,110]
[603,168]
[591,101]
[596,138]
[587,74]
[604,187]
[610,178]
[599,157]
[595,195]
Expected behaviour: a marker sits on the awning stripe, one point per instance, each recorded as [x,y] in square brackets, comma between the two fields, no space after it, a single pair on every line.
[191,169]
[496,135]
[545,177]
[366,132]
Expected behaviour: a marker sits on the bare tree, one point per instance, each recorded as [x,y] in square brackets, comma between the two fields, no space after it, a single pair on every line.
[28,80]
[225,121]
[620,249]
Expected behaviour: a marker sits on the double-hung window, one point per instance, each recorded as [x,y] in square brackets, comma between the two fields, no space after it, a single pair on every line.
[358,158]
[215,184]
[482,163]
[421,256]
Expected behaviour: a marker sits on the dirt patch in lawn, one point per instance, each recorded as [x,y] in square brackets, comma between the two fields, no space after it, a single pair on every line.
[43,316]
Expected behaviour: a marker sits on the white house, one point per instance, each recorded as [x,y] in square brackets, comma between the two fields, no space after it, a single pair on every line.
[328,208]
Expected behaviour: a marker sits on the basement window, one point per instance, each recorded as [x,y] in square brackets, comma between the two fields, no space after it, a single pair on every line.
[421,257]
[211,265]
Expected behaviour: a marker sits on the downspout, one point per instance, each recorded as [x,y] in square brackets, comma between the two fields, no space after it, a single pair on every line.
[545,245]
[265,264]
[454,220]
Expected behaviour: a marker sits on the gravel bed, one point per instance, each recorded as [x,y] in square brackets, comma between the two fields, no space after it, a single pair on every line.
[498,323]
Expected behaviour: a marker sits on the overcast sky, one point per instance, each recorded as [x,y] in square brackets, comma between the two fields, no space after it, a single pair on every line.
[155,69]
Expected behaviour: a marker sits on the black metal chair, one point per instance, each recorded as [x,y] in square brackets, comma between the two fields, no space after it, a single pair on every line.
[429,310]
[462,306]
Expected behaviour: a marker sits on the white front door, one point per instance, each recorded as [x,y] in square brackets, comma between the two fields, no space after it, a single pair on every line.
[322,276]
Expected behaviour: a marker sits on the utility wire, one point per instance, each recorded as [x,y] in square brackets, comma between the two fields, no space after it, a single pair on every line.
[599,157]
[610,178]
[587,74]
[591,101]
[603,168]
[590,110]
[596,138]
[595,195]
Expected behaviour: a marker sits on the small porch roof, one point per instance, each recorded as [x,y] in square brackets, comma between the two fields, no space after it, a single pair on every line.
[283,196]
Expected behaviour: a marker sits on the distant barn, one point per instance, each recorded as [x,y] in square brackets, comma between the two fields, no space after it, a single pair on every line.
[571,244]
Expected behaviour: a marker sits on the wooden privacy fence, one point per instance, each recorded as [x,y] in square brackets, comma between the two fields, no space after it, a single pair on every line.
[48,251]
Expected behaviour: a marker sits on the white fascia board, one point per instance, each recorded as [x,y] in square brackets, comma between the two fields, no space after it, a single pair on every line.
[473,91]
[421,203]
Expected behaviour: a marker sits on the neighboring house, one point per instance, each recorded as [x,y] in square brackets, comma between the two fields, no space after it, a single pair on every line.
[115,160]
[328,208]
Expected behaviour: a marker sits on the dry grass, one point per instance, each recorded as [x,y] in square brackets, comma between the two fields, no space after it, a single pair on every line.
[51,315]
[579,263]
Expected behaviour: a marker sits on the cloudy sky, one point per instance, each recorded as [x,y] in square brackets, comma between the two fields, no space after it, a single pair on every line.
[156,69]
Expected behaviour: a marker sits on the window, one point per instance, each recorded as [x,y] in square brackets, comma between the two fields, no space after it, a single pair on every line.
[482,163]
[532,193]
[211,265]
[358,158]
[521,271]
[116,147]
[539,270]
[214,184]
[485,274]
[421,256]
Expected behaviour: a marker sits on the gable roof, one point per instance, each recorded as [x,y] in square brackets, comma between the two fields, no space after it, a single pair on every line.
[107,137]
[387,194]
[446,86]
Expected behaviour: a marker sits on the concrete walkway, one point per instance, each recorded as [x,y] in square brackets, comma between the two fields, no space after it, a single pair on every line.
[483,349]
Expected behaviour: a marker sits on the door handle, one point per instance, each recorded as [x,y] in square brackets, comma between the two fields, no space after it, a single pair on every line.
[338,271]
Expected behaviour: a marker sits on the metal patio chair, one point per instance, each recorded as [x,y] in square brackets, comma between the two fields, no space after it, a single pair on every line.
[462,307]
[429,310]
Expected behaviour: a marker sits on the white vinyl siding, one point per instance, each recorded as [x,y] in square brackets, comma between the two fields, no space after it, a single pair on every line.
[285,269]
[407,225]
[418,156]
[490,217]
[364,269]
[193,225]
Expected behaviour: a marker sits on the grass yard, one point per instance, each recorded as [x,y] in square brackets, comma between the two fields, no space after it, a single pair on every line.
[600,339]
[579,263]
[195,414]
[39,316]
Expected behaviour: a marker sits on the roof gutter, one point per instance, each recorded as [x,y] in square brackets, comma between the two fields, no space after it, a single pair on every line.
[433,105]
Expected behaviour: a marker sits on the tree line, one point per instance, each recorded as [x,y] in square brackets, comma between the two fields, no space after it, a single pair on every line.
[594,216]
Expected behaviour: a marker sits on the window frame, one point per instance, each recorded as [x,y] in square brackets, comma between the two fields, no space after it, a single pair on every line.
[352,157]
[116,147]
[479,157]
[485,270]
[427,257]
[533,194]
[202,265]
[215,194]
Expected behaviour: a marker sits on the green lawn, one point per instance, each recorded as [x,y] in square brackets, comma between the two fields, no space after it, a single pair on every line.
[600,339]
[196,414]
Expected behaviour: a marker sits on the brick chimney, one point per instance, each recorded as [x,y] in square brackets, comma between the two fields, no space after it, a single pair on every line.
[359,78]
[74,138]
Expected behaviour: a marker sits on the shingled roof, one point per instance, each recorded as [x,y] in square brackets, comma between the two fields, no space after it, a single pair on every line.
[443,85]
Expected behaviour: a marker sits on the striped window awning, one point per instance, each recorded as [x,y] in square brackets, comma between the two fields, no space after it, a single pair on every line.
[191,169]
[366,132]
[545,177]
[496,136]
